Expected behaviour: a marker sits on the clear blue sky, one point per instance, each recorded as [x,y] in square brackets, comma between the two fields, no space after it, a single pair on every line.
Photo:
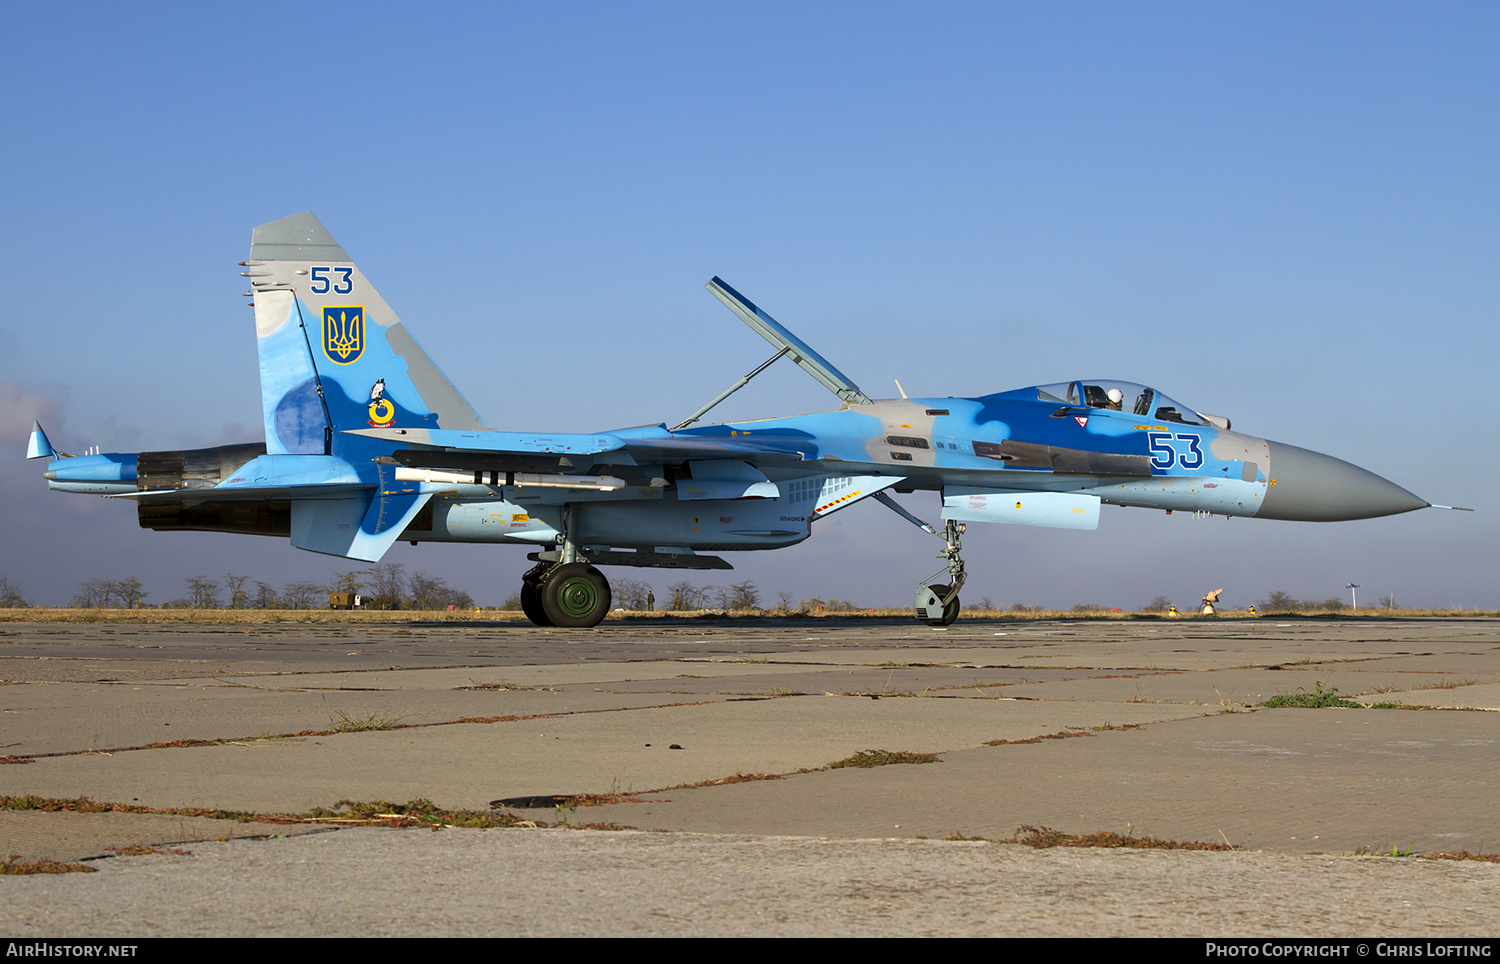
[1281,212]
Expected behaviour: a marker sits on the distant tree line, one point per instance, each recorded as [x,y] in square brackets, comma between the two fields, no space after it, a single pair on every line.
[389,586]
[1283,602]
[10,594]
[386,586]
[744,596]
[1278,601]
[639,596]
[685,595]
[111,594]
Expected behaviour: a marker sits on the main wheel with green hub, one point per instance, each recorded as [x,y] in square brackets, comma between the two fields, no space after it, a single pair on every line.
[575,595]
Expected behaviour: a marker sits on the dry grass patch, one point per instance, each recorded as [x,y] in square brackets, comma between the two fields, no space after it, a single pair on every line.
[14,866]
[880,758]
[1044,837]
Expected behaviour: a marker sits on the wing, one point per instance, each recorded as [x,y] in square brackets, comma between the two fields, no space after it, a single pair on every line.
[518,451]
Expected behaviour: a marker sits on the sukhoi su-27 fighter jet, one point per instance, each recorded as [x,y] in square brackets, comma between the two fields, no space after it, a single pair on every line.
[366,442]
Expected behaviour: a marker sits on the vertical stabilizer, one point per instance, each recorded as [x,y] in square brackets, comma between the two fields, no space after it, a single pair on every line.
[333,356]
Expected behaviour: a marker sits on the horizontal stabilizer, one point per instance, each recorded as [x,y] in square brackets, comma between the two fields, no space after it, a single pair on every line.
[240,493]
[798,350]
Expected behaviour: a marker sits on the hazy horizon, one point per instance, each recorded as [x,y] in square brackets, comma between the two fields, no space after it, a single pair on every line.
[1281,213]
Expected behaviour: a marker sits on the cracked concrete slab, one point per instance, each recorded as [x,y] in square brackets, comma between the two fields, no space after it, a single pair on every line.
[1079,726]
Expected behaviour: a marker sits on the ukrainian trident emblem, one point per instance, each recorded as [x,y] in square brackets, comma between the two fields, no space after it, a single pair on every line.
[344,333]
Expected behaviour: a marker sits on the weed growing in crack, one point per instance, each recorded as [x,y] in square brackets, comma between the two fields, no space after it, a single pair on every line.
[1318,699]
[880,758]
[344,723]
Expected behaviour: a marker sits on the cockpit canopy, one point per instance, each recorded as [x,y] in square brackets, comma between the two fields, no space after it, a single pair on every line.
[1120,396]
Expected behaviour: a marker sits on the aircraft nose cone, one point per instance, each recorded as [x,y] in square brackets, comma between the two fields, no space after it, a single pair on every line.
[1311,487]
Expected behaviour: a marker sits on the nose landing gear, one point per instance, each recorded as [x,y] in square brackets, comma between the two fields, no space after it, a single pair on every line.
[937,603]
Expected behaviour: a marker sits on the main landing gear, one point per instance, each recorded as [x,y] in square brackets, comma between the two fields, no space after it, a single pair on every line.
[563,591]
[571,595]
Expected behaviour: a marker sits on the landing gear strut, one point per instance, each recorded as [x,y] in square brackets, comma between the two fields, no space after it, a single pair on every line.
[937,603]
[563,591]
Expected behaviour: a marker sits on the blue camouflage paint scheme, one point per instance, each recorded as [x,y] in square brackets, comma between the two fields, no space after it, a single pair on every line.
[347,395]
[847,436]
[290,378]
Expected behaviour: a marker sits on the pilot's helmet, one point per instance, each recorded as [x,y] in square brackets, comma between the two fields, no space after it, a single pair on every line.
[1116,396]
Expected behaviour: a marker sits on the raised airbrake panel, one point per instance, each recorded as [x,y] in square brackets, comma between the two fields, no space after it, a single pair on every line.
[798,350]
